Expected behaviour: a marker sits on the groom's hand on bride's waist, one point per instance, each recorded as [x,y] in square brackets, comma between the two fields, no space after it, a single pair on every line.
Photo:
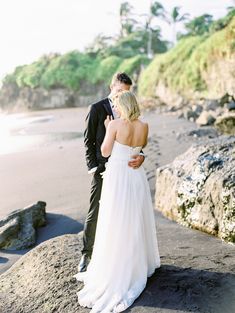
[136,161]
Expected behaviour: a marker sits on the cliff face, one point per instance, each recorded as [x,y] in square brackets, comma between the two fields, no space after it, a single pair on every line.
[197,67]
[220,77]
[15,99]
[69,80]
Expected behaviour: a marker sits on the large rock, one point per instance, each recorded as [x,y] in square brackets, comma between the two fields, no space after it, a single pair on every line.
[226,123]
[189,114]
[198,188]
[225,99]
[211,104]
[231,106]
[41,280]
[205,131]
[210,132]
[205,118]
[197,108]
[18,229]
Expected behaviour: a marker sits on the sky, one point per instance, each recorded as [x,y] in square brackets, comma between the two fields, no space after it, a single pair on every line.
[31,28]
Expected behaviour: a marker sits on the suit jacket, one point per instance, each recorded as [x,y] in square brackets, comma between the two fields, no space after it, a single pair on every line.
[94,134]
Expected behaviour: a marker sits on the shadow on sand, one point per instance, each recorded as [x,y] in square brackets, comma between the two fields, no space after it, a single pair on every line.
[179,289]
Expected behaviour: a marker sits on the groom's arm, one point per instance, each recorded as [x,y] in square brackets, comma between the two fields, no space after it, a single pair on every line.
[90,139]
[142,153]
[137,160]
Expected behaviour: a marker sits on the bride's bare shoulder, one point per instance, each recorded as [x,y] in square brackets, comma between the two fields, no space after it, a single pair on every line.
[116,122]
[143,123]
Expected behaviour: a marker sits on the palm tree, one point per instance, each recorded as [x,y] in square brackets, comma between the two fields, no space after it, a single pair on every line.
[199,25]
[126,22]
[99,44]
[231,8]
[156,10]
[174,17]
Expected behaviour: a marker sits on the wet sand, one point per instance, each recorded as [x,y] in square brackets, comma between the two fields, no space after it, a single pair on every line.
[54,171]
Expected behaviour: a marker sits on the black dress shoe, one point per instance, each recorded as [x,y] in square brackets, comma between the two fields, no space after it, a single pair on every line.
[85,259]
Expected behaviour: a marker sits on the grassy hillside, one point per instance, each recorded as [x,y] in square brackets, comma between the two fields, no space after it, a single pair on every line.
[184,69]
[72,69]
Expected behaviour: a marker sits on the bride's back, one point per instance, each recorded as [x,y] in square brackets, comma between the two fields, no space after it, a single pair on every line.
[129,129]
[132,133]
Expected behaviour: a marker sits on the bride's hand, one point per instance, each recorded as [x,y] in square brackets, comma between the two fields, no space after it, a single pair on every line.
[107,120]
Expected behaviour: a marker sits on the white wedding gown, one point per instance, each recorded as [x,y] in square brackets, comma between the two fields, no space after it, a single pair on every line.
[125,250]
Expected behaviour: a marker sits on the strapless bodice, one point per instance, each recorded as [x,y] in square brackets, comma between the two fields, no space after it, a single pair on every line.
[124,152]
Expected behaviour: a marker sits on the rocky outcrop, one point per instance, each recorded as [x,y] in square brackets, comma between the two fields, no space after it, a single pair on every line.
[18,229]
[231,106]
[217,112]
[15,99]
[196,66]
[209,132]
[219,77]
[198,70]
[198,188]
[219,83]
[226,123]
[41,280]
[205,118]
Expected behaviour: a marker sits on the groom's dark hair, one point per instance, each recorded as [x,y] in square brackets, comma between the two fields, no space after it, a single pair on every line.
[122,77]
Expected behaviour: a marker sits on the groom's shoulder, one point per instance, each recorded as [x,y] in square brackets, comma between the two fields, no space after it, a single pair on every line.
[98,104]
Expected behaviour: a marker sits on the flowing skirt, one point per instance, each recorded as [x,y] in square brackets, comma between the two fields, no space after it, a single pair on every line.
[125,250]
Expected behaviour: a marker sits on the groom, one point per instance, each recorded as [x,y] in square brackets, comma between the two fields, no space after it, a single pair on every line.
[93,137]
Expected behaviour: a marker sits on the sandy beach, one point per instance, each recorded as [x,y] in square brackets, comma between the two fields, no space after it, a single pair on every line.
[44,160]
[51,167]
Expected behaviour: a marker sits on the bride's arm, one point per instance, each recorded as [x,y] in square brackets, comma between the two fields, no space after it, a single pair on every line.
[107,145]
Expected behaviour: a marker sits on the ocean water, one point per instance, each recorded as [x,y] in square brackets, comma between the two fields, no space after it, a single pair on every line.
[26,131]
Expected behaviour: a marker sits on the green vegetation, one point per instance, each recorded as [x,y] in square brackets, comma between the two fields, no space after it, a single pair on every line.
[133,64]
[68,71]
[72,69]
[55,71]
[139,45]
[199,25]
[106,68]
[183,68]
[105,56]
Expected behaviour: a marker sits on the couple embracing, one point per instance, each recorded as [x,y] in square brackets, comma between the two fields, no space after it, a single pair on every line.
[120,249]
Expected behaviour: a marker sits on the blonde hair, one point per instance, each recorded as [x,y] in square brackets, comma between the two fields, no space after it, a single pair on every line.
[127,105]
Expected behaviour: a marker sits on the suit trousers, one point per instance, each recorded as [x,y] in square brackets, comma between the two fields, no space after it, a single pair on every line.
[91,219]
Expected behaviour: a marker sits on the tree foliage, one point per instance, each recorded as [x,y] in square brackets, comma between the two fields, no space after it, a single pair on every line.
[183,68]
[199,25]
[137,43]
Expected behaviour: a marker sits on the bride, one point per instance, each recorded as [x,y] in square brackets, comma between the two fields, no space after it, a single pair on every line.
[125,251]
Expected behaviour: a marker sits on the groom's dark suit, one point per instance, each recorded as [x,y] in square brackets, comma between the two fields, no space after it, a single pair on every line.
[93,137]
